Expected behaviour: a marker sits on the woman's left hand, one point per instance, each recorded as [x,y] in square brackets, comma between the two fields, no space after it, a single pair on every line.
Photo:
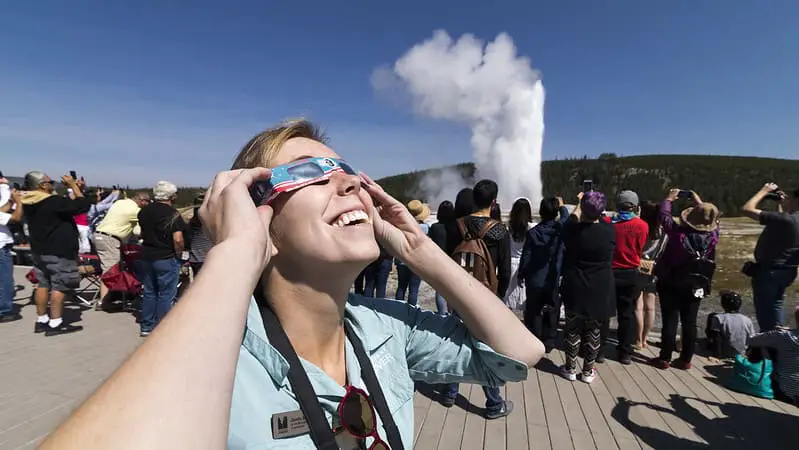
[394,226]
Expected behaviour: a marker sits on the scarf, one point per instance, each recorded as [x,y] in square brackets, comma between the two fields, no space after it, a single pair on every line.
[623,216]
[32,197]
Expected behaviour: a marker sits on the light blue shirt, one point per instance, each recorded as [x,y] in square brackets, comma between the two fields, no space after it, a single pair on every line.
[404,343]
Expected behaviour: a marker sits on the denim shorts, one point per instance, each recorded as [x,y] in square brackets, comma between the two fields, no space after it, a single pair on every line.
[56,273]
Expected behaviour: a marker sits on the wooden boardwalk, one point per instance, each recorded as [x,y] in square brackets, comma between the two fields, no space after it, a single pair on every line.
[628,407]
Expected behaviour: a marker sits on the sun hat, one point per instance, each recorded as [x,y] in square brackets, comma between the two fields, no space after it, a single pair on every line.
[702,217]
[420,211]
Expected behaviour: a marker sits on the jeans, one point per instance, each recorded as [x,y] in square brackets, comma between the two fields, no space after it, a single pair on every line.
[376,275]
[678,304]
[494,401]
[628,288]
[441,305]
[7,289]
[542,323]
[769,285]
[160,281]
[407,280]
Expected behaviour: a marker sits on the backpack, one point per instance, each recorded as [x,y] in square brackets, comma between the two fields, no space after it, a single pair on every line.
[472,254]
[697,272]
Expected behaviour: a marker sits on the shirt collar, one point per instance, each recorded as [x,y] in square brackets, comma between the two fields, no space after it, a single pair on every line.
[257,343]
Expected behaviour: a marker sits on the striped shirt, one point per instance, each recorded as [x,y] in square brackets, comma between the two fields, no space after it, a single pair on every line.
[199,243]
[786,343]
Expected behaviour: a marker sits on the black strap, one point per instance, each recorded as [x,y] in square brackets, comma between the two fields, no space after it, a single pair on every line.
[375,391]
[321,433]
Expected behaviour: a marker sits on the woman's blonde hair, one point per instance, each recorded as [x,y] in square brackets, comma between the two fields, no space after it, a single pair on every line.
[262,149]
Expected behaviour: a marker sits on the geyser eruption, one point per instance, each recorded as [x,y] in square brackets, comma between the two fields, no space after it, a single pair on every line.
[491,89]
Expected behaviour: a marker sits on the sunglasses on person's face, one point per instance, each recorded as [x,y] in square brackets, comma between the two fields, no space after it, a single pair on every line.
[357,415]
[296,175]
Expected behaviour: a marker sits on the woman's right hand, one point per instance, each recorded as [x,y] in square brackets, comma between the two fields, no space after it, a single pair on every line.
[228,213]
[673,194]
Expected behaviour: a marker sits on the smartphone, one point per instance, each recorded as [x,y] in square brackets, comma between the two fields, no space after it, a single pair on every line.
[73,174]
[685,194]
[588,185]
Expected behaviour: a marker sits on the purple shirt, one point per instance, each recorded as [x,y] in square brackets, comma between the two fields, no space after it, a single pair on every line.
[675,254]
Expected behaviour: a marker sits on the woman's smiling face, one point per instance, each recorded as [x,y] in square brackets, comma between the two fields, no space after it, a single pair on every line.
[319,223]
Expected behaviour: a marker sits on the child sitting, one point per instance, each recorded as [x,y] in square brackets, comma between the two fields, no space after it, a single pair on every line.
[728,332]
[783,344]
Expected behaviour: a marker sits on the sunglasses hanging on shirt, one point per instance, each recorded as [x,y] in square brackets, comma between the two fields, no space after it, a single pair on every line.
[357,410]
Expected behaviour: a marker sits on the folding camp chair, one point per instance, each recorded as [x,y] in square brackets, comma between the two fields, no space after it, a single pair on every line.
[89,268]
[88,292]
[122,276]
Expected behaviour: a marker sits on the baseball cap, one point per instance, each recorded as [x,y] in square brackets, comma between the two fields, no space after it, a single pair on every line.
[628,198]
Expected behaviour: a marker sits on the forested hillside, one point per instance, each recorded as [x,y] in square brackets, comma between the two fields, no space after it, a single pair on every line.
[724,180]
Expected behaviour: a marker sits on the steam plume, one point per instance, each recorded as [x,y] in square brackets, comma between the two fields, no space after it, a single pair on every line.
[487,87]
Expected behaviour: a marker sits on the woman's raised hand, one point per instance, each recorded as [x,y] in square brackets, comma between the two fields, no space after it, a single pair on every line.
[394,226]
[228,213]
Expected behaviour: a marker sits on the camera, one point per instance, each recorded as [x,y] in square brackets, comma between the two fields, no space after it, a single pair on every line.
[685,194]
[588,185]
[776,195]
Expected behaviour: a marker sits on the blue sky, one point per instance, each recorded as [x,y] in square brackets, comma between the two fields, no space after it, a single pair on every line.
[171,90]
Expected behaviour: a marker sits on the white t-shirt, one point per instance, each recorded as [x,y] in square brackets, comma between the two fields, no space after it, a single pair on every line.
[5,194]
[6,238]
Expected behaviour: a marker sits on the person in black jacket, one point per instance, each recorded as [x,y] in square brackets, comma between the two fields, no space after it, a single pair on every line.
[438,233]
[539,271]
[54,245]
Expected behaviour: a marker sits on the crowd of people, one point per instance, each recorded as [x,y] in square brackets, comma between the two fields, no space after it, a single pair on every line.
[65,232]
[586,266]
[294,226]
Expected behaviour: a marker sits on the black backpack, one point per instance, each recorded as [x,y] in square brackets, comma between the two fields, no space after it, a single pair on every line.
[697,272]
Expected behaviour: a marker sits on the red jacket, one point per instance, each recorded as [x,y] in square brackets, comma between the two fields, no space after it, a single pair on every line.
[631,237]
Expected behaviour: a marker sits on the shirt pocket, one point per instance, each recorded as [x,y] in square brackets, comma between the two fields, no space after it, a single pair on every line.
[397,386]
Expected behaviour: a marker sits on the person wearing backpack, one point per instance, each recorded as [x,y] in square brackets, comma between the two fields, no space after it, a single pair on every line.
[483,249]
[685,274]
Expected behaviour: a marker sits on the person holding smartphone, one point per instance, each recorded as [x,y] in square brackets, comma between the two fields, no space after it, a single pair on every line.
[776,252]
[684,274]
[10,212]
[54,247]
[269,334]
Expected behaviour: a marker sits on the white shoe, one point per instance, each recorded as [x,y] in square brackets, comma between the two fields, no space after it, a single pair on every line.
[590,377]
[568,374]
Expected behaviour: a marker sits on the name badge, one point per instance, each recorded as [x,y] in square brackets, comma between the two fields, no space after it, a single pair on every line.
[289,424]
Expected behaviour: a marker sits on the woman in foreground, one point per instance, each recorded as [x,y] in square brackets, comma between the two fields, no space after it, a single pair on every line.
[299,255]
